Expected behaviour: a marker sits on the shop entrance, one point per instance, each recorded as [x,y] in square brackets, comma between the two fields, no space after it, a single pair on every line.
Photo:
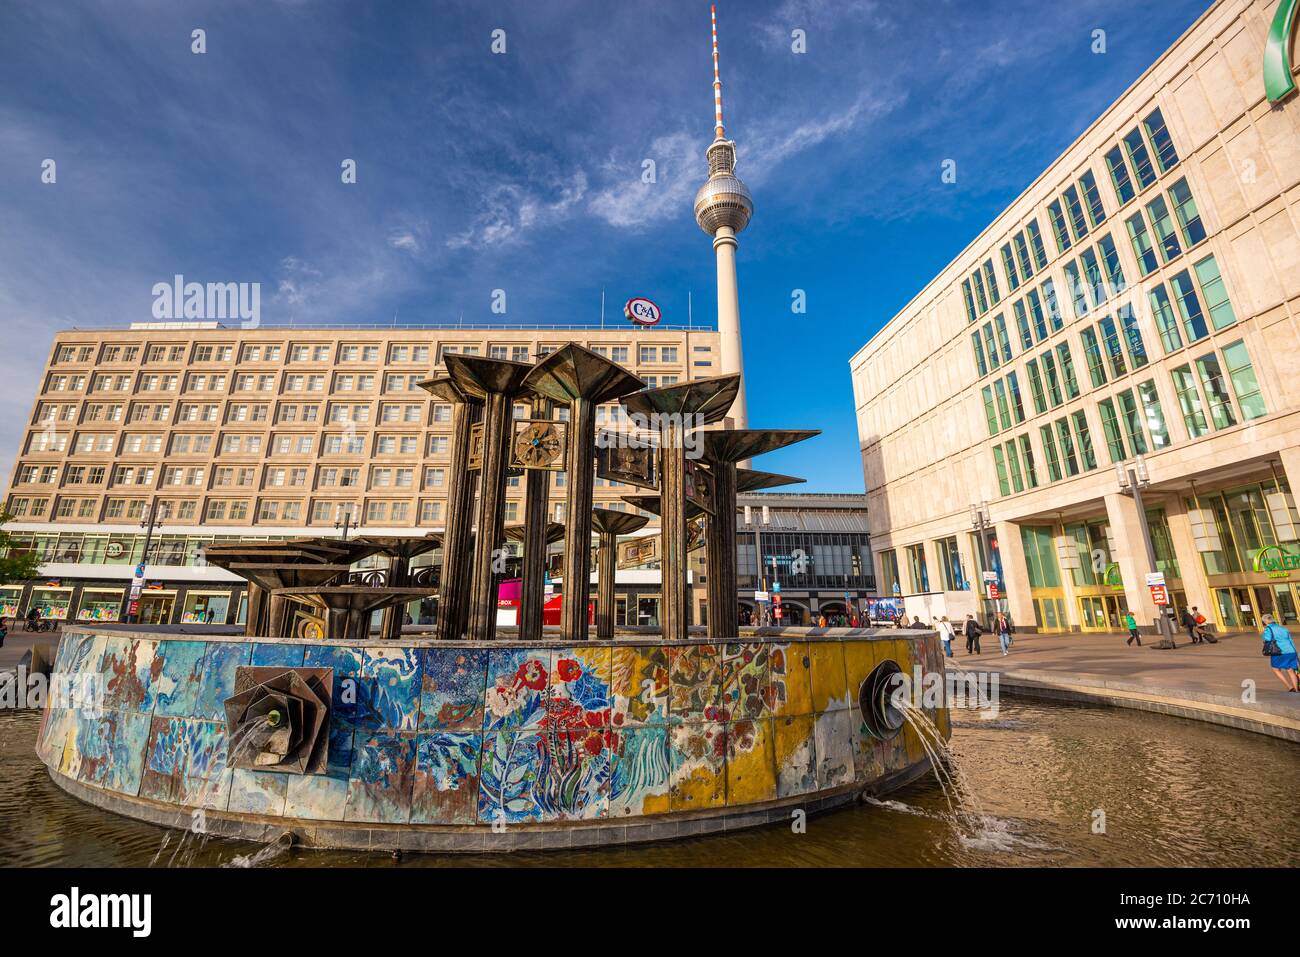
[1246,607]
[156,609]
[1102,612]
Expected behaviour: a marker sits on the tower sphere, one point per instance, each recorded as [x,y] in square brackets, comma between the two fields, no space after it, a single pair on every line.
[723,200]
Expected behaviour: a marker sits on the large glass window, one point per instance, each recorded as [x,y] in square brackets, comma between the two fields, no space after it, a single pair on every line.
[990,347]
[980,362]
[1074,282]
[1189,307]
[1059,229]
[950,565]
[1110,428]
[1114,271]
[916,566]
[1142,248]
[1053,382]
[1119,176]
[990,410]
[1066,363]
[1114,351]
[1000,467]
[1004,410]
[1050,453]
[1075,207]
[1092,198]
[1189,218]
[1036,244]
[1189,400]
[1216,391]
[1013,464]
[1137,350]
[980,295]
[1155,417]
[1163,310]
[1163,224]
[1040,556]
[971,315]
[1138,156]
[1053,305]
[1092,353]
[1244,383]
[1009,267]
[1132,421]
[1022,325]
[1166,155]
[1083,438]
[1092,272]
[991,280]
[1037,318]
[1065,440]
[1036,386]
[1022,255]
[1215,292]
[1013,393]
[1004,341]
[1027,456]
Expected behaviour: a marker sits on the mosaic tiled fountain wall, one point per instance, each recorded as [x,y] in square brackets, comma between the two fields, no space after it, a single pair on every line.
[451,746]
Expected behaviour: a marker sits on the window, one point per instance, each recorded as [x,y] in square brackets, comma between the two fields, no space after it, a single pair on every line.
[1022,325]
[1013,466]
[1050,453]
[1036,244]
[1075,208]
[1244,382]
[969,298]
[1189,217]
[1189,307]
[1017,403]
[1053,383]
[1137,350]
[992,281]
[990,411]
[1004,342]
[1166,155]
[1066,362]
[1027,455]
[1074,282]
[1163,310]
[1000,466]
[1022,255]
[1119,176]
[1110,429]
[1114,271]
[1004,410]
[1036,386]
[1142,248]
[1216,391]
[1132,421]
[1155,417]
[1114,351]
[980,297]
[648,354]
[1009,267]
[990,348]
[1069,455]
[1096,288]
[1216,294]
[1163,225]
[1092,198]
[1092,353]
[1036,312]
[1059,228]
[1189,400]
[1136,149]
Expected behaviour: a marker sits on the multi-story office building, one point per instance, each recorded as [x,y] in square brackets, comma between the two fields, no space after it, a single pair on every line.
[1140,298]
[261,433]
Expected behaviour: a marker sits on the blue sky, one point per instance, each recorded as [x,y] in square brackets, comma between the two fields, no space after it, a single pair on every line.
[522,171]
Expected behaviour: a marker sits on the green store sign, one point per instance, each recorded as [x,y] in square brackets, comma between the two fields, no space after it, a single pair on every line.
[1278,81]
[1275,561]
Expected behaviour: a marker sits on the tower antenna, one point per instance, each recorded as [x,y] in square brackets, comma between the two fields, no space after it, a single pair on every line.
[717,79]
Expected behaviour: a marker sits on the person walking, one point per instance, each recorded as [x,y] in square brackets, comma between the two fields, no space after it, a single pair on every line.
[1280,648]
[1002,626]
[1188,621]
[1131,624]
[946,635]
[972,631]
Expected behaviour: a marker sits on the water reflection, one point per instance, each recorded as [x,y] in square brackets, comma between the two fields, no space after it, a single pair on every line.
[1173,792]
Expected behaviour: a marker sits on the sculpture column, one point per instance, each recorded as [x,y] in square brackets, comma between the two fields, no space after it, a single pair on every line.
[610,524]
[672,513]
[582,380]
[496,382]
[453,583]
[536,502]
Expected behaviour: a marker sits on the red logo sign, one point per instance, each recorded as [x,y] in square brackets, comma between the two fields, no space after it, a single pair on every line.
[1159,594]
[642,311]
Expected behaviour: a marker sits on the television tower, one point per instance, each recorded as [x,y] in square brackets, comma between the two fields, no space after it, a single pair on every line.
[722,208]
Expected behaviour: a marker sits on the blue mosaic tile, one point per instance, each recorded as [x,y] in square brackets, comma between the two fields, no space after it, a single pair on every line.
[164,763]
[641,768]
[446,786]
[218,680]
[508,776]
[275,655]
[350,702]
[127,668]
[206,779]
[391,678]
[379,790]
[452,685]
[176,680]
[517,688]
[316,797]
[257,792]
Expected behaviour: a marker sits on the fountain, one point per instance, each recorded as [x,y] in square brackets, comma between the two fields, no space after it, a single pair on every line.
[315,729]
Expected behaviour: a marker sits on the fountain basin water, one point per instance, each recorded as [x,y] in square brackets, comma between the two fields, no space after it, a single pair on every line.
[493,746]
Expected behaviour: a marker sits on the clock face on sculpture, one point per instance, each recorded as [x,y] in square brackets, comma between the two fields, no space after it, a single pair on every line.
[538,444]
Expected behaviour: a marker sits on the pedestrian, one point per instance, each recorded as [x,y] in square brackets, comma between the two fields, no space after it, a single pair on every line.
[972,631]
[1280,648]
[1188,621]
[4,631]
[1132,624]
[821,621]
[1201,630]
[1002,626]
[946,635]
[856,621]
[916,623]
[33,618]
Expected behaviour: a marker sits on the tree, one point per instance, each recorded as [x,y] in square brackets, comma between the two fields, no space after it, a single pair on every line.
[16,562]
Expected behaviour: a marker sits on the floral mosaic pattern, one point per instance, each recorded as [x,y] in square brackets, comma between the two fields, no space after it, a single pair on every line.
[478,736]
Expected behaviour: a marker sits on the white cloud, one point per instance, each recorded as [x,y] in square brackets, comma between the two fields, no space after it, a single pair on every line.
[679,171]
[510,209]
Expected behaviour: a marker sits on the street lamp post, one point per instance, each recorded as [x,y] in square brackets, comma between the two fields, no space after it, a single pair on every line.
[343,519]
[1133,478]
[153,519]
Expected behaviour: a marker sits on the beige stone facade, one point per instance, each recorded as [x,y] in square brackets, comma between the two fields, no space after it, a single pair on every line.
[1169,328]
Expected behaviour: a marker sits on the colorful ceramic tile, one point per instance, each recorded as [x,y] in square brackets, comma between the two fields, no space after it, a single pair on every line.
[452,682]
[508,776]
[349,704]
[341,747]
[129,742]
[383,767]
[517,685]
[257,792]
[641,771]
[745,680]
[205,781]
[59,723]
[581,678]
[694,682]
[573,771]
[274,654]
[833,731]
[446,788]
[84,654]
[218,682]
[829,686]
[316,797]
[176,680]
[391,677]
[128,669]
[751,768]
[790,678]
[699,776]
[165,756]
[639,686]
[94,743]
[796,755]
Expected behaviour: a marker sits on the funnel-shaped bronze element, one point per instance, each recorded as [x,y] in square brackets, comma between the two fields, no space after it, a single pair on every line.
[518,533]
[581,380]
[673,411]
[722,450]
[651,503]
[496,382]
[454,581]
[610,524]
[710,399]
[277,719]
[399,550]
[751,480]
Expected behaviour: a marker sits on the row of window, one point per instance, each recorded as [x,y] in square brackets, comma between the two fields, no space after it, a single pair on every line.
[1215,391]
[115,353]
